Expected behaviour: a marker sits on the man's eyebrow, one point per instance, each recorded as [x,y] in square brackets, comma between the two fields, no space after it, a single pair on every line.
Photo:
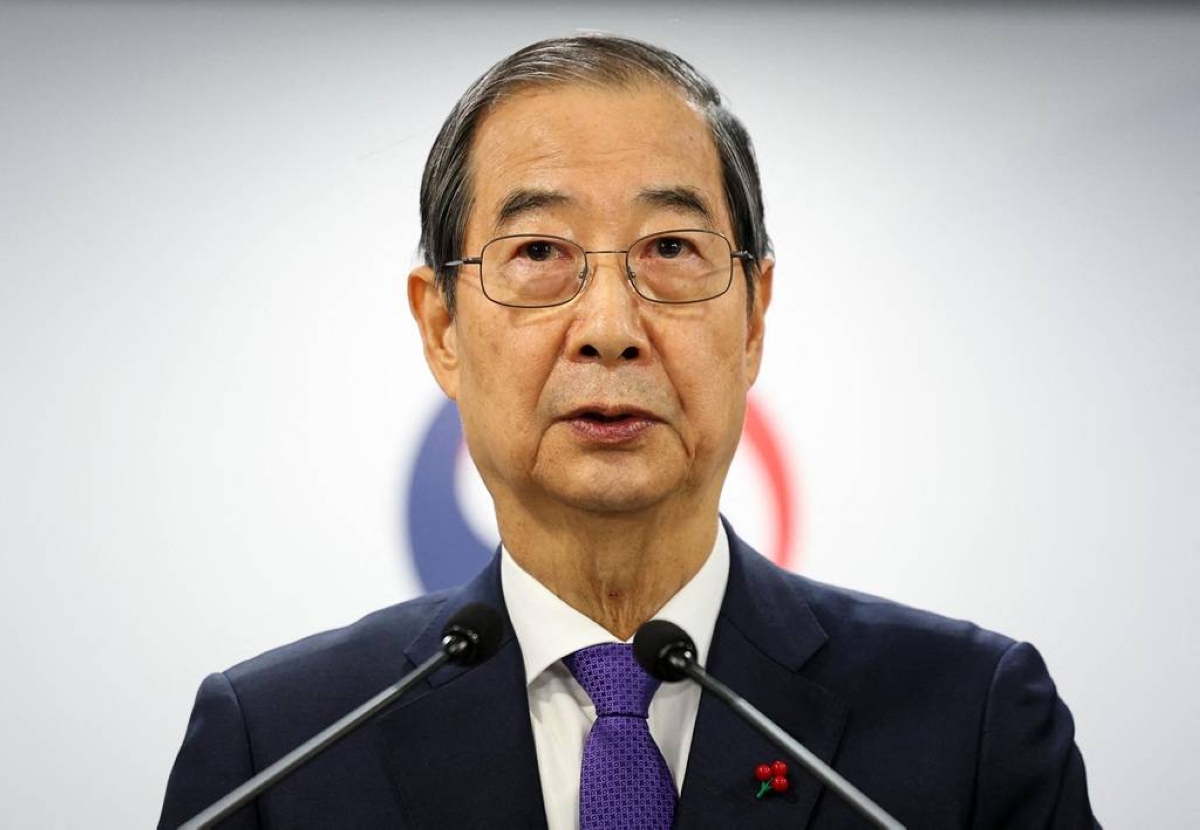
[525,200]
[684,199]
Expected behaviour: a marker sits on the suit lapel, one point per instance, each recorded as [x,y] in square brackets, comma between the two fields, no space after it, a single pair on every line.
[460,751]
[764,634]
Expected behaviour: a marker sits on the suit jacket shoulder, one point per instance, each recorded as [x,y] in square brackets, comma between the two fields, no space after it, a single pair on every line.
[366,654]
[882,640]
[466,724]
[254,712]
[943,723]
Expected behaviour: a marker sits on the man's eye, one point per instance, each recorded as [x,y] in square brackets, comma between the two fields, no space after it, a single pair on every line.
[539,251]
[669,247]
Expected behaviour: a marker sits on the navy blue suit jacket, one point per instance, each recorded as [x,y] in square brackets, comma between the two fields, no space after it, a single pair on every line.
[945,725]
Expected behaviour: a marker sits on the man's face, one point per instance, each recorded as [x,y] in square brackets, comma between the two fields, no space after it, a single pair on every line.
[609,403]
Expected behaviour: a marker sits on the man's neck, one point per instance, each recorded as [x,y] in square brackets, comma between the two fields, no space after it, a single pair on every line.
[615,569]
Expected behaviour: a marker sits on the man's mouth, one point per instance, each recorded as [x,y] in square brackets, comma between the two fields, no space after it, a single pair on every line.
[609,425]
[603,418]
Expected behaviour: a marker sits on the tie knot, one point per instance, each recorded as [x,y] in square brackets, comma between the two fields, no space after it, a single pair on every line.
[612,679]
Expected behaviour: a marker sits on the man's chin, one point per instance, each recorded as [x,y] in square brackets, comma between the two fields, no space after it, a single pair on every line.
[613,504]
[607,495]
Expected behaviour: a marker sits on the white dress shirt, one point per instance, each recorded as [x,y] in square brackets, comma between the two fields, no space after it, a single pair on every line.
[562,714]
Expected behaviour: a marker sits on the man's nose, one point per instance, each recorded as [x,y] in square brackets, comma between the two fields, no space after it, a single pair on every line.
[608,327]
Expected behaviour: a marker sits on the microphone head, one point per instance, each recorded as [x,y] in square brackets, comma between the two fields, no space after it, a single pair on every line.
[657,643]
[473,633]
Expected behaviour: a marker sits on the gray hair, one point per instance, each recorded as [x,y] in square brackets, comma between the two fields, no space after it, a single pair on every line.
[596,60]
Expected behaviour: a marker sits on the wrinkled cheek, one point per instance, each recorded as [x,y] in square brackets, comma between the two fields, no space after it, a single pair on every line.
[717,411]
[496,409]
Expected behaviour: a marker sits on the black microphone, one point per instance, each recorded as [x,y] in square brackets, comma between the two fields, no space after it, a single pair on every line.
[667,653]
[472,634]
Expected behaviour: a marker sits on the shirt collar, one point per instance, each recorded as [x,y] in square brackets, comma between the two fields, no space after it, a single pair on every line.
[548,629]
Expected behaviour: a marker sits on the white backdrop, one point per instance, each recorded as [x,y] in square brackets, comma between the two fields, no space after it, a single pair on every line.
[982,356]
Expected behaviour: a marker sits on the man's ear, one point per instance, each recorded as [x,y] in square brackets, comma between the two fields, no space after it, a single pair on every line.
[756,327]
[438,332]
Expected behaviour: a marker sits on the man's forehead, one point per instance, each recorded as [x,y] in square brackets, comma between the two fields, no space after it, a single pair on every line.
[682,200]
[571,148]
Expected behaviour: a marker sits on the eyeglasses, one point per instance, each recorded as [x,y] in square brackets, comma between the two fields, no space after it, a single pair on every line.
[535,271]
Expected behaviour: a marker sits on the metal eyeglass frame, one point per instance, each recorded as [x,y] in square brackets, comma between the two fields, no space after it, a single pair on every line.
[743,256]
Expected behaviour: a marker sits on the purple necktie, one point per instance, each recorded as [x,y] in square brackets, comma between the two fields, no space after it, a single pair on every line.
[625,782]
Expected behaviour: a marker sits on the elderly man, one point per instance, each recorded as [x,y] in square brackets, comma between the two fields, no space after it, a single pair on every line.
[596,280]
